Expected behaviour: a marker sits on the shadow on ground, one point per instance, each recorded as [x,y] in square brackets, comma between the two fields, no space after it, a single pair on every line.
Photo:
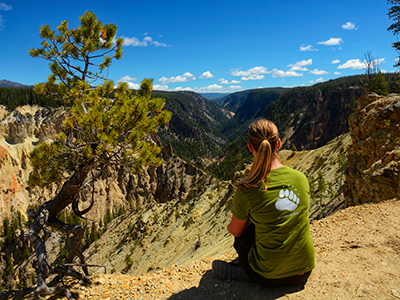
[210,287]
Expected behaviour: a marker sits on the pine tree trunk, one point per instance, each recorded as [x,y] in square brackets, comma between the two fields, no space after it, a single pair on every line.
[46,215]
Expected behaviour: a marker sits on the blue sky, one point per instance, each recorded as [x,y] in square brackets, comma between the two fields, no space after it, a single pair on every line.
[212,46]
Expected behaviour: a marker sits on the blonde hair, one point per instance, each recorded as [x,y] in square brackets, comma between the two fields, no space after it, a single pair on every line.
[264,137]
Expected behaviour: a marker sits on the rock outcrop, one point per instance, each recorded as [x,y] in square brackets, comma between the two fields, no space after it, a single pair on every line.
[373,174]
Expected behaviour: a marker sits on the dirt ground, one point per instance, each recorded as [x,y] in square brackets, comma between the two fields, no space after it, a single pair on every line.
[357,257]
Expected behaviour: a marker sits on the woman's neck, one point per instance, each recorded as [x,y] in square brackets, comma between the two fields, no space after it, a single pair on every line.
[275,163]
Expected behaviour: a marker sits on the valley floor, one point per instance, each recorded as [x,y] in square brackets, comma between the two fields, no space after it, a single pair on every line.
[357,257]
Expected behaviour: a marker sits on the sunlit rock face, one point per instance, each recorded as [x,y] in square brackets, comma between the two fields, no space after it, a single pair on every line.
[374,156]
[20,131]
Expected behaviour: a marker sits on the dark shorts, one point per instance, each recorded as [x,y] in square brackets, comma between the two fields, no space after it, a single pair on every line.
[243,244]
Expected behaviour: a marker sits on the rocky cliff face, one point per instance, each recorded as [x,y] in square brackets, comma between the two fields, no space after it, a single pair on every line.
[374,156]
[310,118]
[22,129]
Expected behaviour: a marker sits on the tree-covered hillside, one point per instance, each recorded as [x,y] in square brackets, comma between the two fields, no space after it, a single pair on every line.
[193,130]
[233,101]
[307,117]
[12,97]
[252,107]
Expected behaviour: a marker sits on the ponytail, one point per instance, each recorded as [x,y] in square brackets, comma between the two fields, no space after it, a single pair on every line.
[263,136]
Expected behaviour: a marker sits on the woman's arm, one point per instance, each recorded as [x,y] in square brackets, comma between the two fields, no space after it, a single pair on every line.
[236,226]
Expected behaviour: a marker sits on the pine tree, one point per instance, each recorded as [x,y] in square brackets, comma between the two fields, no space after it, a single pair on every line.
[106,127]
[380,85]
[394,14]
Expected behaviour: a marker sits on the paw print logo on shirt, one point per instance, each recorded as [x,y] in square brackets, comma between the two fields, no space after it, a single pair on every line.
[288,200]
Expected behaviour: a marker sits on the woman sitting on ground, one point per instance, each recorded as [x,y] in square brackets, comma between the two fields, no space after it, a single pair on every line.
[270,219]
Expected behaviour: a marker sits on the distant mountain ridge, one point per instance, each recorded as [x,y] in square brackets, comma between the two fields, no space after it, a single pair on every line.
[216,97]
[7,83]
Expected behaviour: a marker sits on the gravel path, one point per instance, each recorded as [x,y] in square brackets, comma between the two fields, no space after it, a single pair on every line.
[358,254]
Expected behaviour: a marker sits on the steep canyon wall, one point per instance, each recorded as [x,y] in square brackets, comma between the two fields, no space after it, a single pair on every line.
[22,129]
[374,155]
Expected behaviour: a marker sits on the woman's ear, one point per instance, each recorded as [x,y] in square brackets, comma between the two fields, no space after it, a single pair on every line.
[251,148]
[278,145]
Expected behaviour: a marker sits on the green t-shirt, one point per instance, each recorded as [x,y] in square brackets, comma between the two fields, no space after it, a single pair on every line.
[283,246]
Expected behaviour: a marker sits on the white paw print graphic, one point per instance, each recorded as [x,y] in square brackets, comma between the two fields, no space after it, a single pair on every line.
[287,200]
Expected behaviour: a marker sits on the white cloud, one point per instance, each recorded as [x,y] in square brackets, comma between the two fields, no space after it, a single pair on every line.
[331,42]
[134,86]
[250,72]
[181,78]
[210,88]
[318,72]
[349,26]
[253,77]
[126,78]
[4,6]
[319,80]
[378,61]
[215,88]
[134,42]
[337,73]
[179,88]
[279,73]
[307,48]
[300,65]
[158,44]
[160,87]
[224,81]
[357,64]
[336,61]
[354,64]
[206,75]
[147,41]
